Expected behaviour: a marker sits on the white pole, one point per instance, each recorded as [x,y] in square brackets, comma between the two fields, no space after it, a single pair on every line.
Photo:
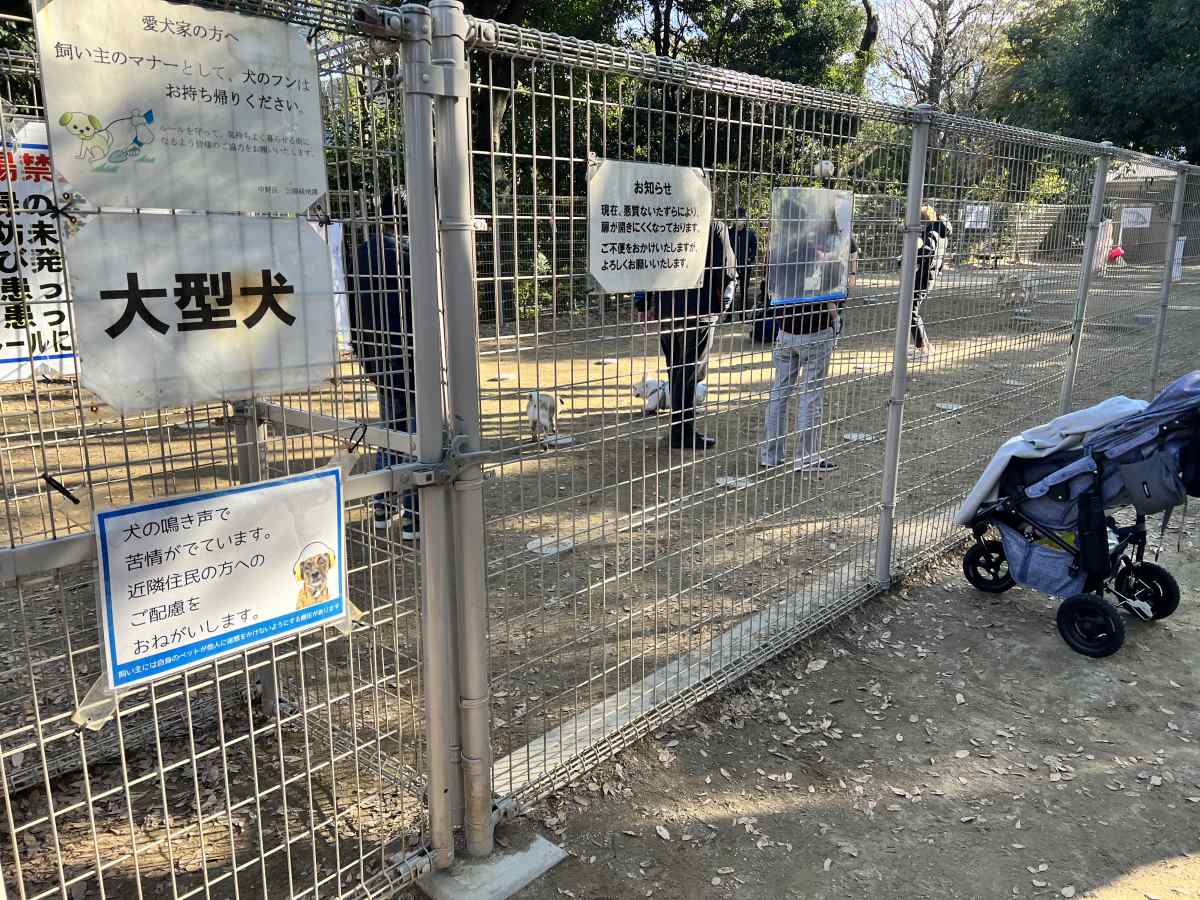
[904,311]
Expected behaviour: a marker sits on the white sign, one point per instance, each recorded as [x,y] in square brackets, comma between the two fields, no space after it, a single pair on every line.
[1177,265]
[977,217]
[647,226]
[35,333]
[186,580]
[160,105]
[1136,216]
[179,310]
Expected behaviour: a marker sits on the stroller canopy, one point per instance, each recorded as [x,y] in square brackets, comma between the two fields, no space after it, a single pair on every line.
[1180,396]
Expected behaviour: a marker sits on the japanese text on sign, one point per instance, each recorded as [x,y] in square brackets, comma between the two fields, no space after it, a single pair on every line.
[34,333]
[200,97]
[647,225]
[190,579]
[210,308]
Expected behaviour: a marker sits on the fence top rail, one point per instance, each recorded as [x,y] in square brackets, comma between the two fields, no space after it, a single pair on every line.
[534,45]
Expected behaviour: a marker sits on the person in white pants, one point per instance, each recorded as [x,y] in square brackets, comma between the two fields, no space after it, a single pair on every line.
[803,348]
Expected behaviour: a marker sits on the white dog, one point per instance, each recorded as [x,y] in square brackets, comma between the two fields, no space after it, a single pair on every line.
[542,413]
[94,139]
[1018,289]
[656,395]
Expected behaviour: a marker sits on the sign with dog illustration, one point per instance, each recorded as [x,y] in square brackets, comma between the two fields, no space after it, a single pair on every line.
[158,105]
[188,580]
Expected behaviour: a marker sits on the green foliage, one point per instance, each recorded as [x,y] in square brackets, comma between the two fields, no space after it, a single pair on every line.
[1121,70]
[801,41]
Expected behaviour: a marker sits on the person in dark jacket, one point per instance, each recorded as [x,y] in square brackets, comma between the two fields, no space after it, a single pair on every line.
[688,319]
[382,338]
[931,255]
[745,250]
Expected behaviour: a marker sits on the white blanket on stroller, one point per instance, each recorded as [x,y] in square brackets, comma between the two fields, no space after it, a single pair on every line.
[1041,441]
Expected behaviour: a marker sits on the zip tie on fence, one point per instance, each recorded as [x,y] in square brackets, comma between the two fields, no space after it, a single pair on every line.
[60,487]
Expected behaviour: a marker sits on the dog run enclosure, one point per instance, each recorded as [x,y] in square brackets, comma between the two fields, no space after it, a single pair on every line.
[566,595]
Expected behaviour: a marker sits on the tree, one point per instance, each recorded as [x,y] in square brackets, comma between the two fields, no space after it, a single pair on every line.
[944,52]
[804,41]
[1120,70]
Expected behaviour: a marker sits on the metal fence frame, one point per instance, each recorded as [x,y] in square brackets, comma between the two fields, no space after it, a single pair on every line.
[437,61]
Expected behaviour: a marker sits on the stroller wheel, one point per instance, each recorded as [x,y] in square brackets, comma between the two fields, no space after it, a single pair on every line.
[986,567]
[1152,585]
[1091,625]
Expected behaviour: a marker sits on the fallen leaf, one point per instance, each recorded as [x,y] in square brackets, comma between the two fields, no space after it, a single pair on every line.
[815,665]
[1068,891]
[662,832]
[960,699]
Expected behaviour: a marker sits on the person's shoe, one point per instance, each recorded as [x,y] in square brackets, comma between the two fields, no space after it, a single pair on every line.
[383,516]
[409,529]
[690,439]
[917,356]
[767,464]
[815,465]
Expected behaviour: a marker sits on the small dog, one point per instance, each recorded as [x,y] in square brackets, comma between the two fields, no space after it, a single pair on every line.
[1018,289]
[542,413]
[94,140]
[312,571]
[656,395]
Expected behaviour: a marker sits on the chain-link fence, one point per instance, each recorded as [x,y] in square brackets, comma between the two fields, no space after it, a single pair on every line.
[626,578]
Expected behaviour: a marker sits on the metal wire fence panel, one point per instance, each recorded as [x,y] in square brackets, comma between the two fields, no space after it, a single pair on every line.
[628,576]
[1123,304]
[295,769]
[625,574]
[992,329]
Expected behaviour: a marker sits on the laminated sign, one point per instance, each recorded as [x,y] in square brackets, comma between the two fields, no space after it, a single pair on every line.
[647,226]
[35,334]
[176,310]
[172,106]
[187,580]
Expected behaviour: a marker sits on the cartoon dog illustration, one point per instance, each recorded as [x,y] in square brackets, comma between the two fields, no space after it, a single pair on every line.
[130,135]
[312,571]
[94,141]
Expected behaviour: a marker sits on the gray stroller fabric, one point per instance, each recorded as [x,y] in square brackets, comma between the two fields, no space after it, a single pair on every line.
[1140,466]
[1180,396]
[1035,565]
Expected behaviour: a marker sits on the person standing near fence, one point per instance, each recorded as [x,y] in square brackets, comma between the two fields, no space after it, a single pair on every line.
[805,337]
[381,335]
[931,257]
[745,250]
[687,322]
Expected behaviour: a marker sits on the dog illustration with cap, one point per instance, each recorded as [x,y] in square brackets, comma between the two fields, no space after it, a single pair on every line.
[312,571]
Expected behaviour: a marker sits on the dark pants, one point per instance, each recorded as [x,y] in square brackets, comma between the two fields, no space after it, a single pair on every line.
[924,278]
[397,412]
[686,351]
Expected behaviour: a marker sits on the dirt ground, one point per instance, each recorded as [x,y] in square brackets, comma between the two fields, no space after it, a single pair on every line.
[936,743]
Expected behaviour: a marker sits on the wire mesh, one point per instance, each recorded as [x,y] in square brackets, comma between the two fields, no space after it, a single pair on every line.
[623,574]
[292,769]
[627,578]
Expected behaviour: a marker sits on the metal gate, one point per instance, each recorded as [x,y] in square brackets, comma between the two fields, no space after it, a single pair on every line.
[568,592]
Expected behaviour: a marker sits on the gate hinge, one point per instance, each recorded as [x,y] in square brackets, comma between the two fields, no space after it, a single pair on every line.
[437,80]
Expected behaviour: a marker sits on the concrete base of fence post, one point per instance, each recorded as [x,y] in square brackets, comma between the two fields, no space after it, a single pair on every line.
[497,877]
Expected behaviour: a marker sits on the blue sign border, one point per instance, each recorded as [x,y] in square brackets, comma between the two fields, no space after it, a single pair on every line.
[124,674]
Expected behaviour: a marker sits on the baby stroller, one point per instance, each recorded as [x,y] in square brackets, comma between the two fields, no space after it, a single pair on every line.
[1055,530]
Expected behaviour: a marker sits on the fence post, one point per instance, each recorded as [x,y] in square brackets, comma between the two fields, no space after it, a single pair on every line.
[1160,334]
[437,611]
[1095,211]
[904,309]
[457,226]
